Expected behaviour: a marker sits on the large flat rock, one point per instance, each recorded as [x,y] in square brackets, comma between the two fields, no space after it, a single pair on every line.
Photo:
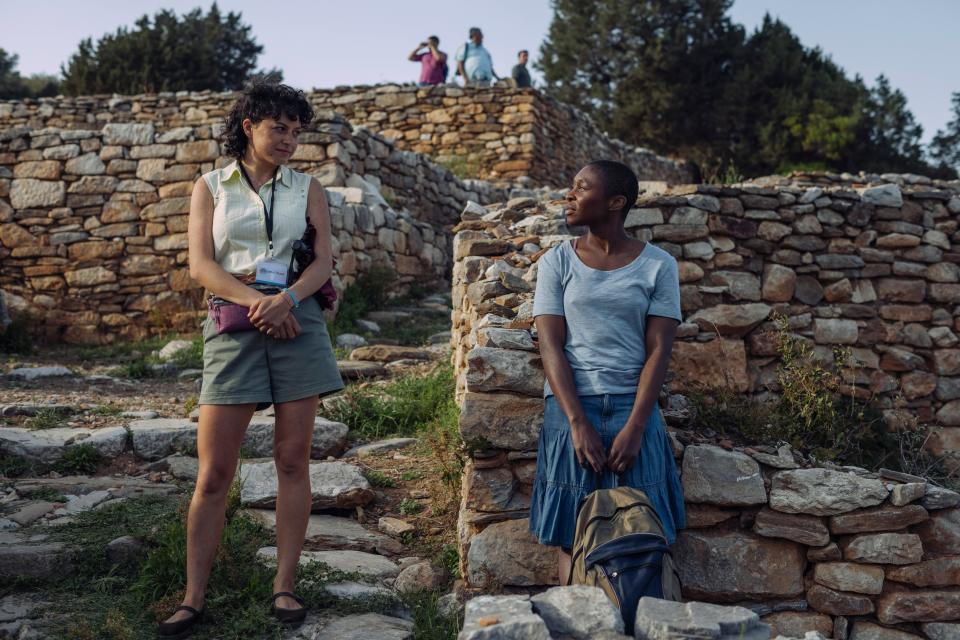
[577,611]
[727,478]
[664,620]
[366,564]
[504,420]
[502,618]
[334,485]
[732,566]
[505,553]
[490,369]
[158,438]
[366,626]
[47,446]
[824,492]
[335,532]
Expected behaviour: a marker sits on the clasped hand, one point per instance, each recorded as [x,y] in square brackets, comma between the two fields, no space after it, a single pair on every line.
[589,448]
[271,315]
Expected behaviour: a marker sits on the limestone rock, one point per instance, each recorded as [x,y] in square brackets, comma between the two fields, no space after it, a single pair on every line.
[941,572]
[506,552]
[726,478]
[28,193]
[577,611]
[904,494]
[665,620]
[380,446]
[865,630]
[720,363]
[366,564]
[334,532]
[941,533]
[731,320]
[939,498]
[874,519]
[849,576]
[334,485]
[42,560]
[823,492]
[502,618]
[172,348]
[941,631]
[504,420]
[155,439]
[37,373]
[808,530]
[884,548]
[794,624]
[733,566]
[491,369]
[358,369]
[418,577]
[919,605]
[47,446]
[351,341]
[394,526]
[838,603]
[887,195]
[128,134]
[366,626]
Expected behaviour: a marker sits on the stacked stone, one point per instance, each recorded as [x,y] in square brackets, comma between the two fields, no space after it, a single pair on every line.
[498,133]
[93,223]
[835,550]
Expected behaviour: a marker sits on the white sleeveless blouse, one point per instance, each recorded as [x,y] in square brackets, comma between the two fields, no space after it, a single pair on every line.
[239,218]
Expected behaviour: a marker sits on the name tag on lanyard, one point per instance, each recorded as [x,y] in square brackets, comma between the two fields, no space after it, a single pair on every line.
[269,271]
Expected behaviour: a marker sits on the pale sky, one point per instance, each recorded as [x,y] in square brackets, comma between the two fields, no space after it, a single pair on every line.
[327,43]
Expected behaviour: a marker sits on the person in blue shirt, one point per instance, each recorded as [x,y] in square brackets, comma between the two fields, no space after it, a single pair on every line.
[474,63]
[606,308]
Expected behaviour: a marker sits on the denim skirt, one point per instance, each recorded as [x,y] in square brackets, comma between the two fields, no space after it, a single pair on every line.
[561,483]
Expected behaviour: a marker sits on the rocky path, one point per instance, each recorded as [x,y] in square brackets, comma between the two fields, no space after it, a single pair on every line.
[77,437]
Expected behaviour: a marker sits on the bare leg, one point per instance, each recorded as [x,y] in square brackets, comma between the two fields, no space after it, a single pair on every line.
[563,565]
[219,435]
[291,453]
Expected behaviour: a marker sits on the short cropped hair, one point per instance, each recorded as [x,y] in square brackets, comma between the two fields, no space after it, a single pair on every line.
[522,51]
[617,179]
[434,38]
[474,30]
[263,99]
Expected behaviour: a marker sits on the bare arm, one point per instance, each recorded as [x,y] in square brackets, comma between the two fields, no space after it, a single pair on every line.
[438,55]
[660,334]
[463,72]
[416,52]
[203,268]
[319,271]
[552,333]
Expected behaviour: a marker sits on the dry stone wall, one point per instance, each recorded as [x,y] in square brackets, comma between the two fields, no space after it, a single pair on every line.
[93,222]
[497,133]
[839,550]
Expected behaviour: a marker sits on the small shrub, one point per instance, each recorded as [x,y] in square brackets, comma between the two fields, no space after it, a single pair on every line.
[449,559]
[428,622]
[411,474]
[191,403]
[464,167]
[12,466]
[191,358]
[107,410]
[46,419]
[410,507]
[79,459]
[379,478]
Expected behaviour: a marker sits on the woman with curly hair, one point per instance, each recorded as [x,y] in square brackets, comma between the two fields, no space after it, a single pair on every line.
[265,341]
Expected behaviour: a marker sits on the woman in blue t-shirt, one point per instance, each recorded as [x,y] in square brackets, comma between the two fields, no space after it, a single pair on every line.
[607,307]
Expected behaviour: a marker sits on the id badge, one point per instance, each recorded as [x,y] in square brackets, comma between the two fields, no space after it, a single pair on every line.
[272,272]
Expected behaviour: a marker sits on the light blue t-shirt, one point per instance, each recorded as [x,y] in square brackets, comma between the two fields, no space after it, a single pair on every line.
[477,62]
[606,313]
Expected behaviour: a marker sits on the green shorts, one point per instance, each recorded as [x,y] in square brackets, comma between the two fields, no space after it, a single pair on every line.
[251,367]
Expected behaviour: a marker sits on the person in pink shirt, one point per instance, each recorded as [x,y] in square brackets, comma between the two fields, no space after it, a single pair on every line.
[433,62]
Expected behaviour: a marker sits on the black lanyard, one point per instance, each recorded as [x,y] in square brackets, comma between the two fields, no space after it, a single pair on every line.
[268,215]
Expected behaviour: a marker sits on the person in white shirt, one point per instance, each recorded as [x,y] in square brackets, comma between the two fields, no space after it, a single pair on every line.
[474,63]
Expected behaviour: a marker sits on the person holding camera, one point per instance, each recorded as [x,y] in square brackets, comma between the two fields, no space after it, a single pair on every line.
[433,62]
[265,339]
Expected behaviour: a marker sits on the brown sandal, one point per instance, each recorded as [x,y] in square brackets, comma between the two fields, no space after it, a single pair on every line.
[288,616]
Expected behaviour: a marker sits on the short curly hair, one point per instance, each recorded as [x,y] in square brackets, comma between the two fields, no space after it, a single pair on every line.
[261,100]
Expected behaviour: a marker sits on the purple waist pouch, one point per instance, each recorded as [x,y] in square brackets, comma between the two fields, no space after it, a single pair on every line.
[229,317]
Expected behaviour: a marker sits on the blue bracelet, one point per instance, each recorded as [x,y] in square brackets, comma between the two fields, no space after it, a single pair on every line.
[296,303]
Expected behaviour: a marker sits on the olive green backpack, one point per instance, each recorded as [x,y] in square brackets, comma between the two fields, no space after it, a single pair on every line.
[619,545]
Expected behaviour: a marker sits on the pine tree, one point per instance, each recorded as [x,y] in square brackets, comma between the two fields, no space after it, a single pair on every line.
[945,147]
[166,53]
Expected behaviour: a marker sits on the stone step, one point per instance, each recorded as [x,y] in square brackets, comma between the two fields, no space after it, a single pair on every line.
[334,485]
[38,373]
[47,446]
[366,626]
[366,564]
[357,369]
[158,438]
[335,532]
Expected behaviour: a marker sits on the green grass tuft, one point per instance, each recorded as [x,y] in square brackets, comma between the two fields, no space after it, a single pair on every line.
[379,478]
[46,419]
[81,459]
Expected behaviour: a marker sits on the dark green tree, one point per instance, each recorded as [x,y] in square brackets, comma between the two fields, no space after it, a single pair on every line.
[945,147]
[651,72]
[11,84]
[192,52]
[889,137]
